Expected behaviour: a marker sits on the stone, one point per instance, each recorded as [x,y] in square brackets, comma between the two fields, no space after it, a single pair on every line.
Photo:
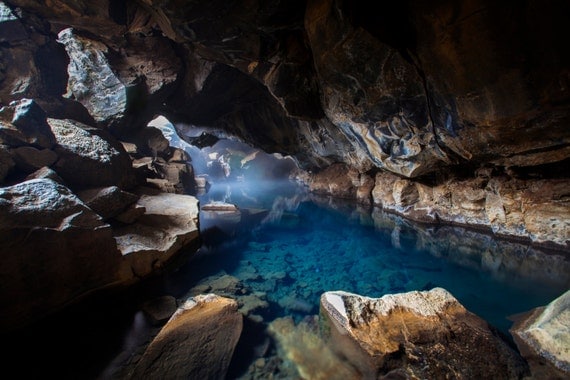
[197,342]
[55,250]
[95,154]
[29,159]
[46,173]
[169,224]
[92,81]
[426,334]
[107,201]
[24,122]
[159,310]
[6,162]
[543,338]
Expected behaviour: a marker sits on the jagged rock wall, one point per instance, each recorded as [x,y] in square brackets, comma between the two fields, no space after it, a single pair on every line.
[413,89]
[407,88]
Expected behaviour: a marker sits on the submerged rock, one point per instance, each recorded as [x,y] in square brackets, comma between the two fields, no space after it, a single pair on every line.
[426,334]
[543,337]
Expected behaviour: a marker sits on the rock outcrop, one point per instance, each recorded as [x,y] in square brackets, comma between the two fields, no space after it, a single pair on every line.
[410,89]
[425,334]
[543,338]
[196,343]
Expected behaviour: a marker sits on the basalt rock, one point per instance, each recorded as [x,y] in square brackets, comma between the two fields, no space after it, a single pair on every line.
[197,342]
[425,334]
[543,337]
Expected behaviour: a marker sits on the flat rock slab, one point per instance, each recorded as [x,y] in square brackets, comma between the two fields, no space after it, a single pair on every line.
[170,223]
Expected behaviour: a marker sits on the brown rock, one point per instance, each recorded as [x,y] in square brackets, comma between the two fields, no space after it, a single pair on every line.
[543,337]
[196,343]
[416,335]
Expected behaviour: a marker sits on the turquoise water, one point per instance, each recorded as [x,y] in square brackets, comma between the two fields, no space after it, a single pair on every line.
[286,248]
[290,246]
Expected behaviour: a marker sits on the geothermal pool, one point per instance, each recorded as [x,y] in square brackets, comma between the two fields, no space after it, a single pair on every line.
[284,249]
[289,247]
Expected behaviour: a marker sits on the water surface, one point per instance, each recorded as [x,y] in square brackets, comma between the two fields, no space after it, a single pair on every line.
[303,245]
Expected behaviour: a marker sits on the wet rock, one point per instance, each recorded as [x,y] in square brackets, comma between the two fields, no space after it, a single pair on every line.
[197,342]
[543,337]
[425,334]
[311,358]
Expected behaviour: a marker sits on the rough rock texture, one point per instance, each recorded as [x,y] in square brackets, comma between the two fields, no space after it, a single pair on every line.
[416,335]
[543,337]
[196,343]
[94,153]
[407,88]
[410,89]
[54,250]
[169,223]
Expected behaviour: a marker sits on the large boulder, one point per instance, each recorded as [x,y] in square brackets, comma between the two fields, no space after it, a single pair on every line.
[90,157]
[426,334]
[196,343]
[543,337]
[168,225]
[54,250]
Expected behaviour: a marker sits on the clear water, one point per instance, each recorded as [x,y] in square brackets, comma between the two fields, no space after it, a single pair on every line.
[286,250]
[306,245]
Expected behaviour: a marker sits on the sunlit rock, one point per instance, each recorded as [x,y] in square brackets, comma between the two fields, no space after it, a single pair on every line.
[196,343]
[425,334]
[543,337]
[169,224]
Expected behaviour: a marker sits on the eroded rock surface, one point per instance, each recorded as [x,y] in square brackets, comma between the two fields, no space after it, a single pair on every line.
[543,337]
[54,250]
[426,334]
[196,343]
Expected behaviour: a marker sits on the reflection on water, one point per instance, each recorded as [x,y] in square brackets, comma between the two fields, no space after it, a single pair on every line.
[286,248]
[290,246]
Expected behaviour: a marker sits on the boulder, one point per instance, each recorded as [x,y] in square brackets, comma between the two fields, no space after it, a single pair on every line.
[54,250]
[196,343]
[426,334]
[90,157]
[169,224]
[24,123]
[543,338]
[107,201]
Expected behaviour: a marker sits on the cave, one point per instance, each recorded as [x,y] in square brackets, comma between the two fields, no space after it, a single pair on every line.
[278,189]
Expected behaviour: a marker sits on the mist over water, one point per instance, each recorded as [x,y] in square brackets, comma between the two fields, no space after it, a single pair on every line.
[305,245]
[285,247]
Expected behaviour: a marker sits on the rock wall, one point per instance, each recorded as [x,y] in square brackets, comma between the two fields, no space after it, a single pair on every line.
[448,112]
